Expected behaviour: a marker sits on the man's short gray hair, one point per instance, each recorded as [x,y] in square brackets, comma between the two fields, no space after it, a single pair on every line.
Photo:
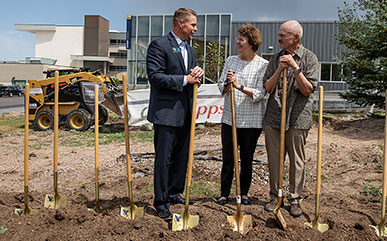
[295,27]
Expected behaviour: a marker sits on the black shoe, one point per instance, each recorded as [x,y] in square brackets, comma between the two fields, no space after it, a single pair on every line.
[222,201]
[178,199]
[164,213]
[246,201]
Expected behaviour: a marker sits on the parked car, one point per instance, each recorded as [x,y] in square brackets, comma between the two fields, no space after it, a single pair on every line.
[10,90]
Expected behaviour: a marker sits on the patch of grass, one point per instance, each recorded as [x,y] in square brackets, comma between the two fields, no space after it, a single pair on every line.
[147,189]
[206,189]
[9,124]
[369,189]
[286,176]
[3,229]
[87,138]
[141,136]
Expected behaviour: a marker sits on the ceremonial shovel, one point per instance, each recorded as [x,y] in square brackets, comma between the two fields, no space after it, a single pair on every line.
[131,212]
[186,220]
[381,230]
[280,219]
[26,210]
[55,201]
[240,223]
[314,224]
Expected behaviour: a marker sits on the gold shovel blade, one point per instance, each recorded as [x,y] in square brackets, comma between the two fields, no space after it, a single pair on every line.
[132,212]
[180,222]
[240,223]
[280,219]
[380,230]
[322,227]
[22,211]
[55,201]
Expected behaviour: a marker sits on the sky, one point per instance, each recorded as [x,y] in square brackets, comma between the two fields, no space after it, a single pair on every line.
[16,45]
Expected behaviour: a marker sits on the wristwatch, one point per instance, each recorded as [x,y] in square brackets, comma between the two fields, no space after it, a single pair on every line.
[299,70]
[241,88]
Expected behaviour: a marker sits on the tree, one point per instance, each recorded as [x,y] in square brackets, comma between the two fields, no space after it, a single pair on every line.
[213,61]
[363,32]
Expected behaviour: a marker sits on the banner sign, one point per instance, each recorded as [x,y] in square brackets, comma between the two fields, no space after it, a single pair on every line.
[209,106]
[128,30]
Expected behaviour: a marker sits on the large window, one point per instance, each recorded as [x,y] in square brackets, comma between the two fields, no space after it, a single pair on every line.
[330,72]
[212,38]
[117,42]
[117,68]
[120,55]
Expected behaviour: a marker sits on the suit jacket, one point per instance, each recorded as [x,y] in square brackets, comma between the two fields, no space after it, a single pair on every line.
[169,100]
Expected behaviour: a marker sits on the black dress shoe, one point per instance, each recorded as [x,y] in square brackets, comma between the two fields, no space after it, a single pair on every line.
[164,213]
[246,201]
[222,201]
[178,199]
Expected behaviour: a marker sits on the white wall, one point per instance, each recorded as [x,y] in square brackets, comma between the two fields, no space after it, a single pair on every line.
[22,71]
[60,44]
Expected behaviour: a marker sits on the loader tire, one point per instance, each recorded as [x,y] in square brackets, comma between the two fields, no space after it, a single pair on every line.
[103,115]
[79,120]
[44,120]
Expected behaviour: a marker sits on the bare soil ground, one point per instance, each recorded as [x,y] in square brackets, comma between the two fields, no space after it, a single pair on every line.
[350,197]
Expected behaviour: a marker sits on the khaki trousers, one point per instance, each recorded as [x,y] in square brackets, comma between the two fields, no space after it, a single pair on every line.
[295,140]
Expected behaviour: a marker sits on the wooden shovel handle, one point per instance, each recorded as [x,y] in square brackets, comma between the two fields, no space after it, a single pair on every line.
[282,131]
[26,125]
[192,136]
[96,133]
[126,125]
[235,141]
[319,140]
[56,120]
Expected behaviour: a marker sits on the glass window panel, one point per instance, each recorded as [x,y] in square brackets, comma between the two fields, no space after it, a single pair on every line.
[325,72]
[142,77]
[198,46]
[335,72]
[157,25]
[200,26]
[211,60]
[168,24]
[142,47]
[133,26]
[131,72]
[143,26]
[212,25]
[226,21]
[131,52]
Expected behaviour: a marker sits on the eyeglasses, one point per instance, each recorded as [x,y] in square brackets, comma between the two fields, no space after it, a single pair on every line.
[239,39]
[284,35]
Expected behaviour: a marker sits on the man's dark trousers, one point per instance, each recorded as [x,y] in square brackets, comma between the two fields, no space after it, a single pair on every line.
[170,161]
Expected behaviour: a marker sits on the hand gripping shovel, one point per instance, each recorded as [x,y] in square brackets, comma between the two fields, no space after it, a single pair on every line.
[131,212]
[381,230]
[314,224]
[55,201]
[240,223]
[279,218]
[186,220]
[26,210]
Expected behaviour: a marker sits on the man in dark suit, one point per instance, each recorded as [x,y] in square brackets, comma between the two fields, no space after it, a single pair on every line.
[172,72]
